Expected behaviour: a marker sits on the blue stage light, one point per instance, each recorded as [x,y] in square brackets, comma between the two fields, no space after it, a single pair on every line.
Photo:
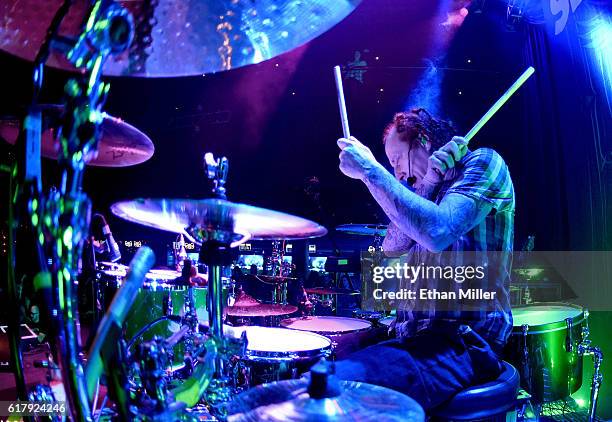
[600,42]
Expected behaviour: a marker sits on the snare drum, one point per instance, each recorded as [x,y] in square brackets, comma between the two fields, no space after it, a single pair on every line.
[544,348]
[347,334]
[275,354]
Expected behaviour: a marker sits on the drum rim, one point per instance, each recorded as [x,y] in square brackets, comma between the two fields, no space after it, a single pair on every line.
[162,287]
[550,326]
[391,317]
[327,333]
[377,315]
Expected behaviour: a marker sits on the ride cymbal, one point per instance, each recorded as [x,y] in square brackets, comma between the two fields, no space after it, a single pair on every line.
[179,37]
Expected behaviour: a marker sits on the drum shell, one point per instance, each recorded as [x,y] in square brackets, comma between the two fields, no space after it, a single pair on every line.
[343,342]
[165,299]
[548,371]
[151,304]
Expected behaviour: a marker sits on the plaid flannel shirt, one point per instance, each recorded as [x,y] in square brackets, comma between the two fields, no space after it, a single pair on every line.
[483,176]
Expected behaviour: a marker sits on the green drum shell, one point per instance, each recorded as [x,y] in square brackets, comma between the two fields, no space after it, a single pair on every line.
[155,301]
[548,372]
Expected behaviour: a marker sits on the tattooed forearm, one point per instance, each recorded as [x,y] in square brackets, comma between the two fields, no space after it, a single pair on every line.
[431,225]
[396,240]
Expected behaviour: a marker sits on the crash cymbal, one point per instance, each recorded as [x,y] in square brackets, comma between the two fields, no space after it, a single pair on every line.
[180,37]
[363,229]
[120,144]
[330,291]
[260,310]
[244,300]
[289,401]
[194,217]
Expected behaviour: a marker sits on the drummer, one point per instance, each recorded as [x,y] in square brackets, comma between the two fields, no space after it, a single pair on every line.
[441,197]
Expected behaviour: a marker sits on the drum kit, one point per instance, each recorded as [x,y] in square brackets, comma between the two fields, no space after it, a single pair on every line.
[277,345]
[165,344]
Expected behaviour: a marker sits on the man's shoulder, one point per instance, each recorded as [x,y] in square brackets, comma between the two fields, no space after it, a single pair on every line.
[483,156]
[484,163]
[483,174]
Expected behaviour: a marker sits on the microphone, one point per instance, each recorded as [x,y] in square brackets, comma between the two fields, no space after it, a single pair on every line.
[115,315]
[101,230]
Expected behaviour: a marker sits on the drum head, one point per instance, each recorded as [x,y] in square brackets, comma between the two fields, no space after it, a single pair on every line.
[112,269]
[544,313]
[280,340]
[327,324]
[161,279]
[162,274]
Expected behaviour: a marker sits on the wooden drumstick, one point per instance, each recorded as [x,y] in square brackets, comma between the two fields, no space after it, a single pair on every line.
[499,103]
[341,103]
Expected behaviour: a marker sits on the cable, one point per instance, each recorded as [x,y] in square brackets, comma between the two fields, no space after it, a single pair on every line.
[102,408]
[147,327]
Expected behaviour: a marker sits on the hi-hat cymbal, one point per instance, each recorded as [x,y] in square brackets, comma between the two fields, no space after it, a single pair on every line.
[363,229]
[180,37]
[120,144]
[289,401]
[195,217]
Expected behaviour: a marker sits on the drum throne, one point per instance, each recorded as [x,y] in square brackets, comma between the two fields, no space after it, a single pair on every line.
[490,402]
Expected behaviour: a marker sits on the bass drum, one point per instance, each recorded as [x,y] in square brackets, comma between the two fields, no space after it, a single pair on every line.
[544,348]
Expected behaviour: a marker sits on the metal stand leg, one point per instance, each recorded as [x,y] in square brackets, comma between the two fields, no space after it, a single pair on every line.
[215,255]
[585,348]
[597,355]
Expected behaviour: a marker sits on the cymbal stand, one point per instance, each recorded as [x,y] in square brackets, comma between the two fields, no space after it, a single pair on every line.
[61,218]
[25,195]
[215,252]
[585,349]
[154,400]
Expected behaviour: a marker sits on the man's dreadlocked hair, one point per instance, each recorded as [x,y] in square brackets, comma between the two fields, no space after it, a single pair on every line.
[418,121]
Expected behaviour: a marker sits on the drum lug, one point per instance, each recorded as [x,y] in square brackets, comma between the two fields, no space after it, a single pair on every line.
[585,327]
[167,304]
[525,331]
[526,371]
[334,346]
[241,375]
[569,340]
